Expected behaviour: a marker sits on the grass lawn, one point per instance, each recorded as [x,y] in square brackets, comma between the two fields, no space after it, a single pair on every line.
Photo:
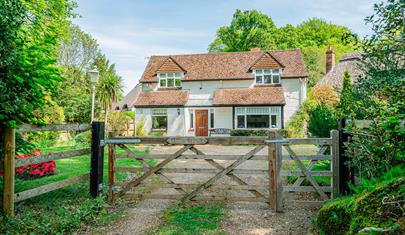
[65,210]
[75,166]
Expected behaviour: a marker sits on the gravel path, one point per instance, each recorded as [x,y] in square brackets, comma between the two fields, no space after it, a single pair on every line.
[244,218]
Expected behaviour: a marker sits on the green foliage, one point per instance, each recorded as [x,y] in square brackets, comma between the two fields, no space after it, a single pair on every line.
[119,121]
[30,34]
[382,147]
[252,132]
[346,97]
[377,205]
[140,127]
[322,120]
[250,29]
[60,212]
[192,219]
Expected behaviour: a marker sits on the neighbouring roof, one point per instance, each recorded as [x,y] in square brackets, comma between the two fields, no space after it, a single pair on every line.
[162,98]
[249,96]
[226,65]
[128,101]
[349,62]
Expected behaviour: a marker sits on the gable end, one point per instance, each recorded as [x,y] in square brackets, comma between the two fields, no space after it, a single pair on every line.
[170,65]
[267,61]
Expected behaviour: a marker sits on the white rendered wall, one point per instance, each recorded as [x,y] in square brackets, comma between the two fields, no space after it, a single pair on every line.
[295,94]
[175,121]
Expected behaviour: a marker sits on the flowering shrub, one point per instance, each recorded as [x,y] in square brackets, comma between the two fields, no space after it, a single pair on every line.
[34,170]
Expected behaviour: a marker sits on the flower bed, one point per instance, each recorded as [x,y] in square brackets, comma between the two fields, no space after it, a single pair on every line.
[34,170]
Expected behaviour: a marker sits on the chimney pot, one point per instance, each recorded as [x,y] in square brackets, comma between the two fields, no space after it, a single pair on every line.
[255,49]
[330,59]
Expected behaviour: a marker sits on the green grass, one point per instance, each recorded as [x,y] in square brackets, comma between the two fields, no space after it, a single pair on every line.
[76,166]
[65,210]
[201,218]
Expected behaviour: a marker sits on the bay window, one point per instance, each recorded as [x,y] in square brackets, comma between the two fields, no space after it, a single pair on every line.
[258,117]
[170,79]
[267,76]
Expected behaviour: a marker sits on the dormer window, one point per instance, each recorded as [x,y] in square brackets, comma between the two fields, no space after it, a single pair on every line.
[170,79]
[267,76]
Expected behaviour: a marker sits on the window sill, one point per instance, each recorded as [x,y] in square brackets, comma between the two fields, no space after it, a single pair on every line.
[159,130]
[190,129]
[168,88]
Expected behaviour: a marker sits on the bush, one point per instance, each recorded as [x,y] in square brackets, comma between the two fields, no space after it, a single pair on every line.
[376,207]
[322,120]
[83,139]
[247,132]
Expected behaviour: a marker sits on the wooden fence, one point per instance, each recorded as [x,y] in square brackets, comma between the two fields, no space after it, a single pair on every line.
[189,149]
[9,163]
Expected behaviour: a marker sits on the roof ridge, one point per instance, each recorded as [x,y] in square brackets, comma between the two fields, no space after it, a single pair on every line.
[223,52]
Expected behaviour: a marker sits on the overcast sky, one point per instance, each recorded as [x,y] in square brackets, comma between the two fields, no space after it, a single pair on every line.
[129,31]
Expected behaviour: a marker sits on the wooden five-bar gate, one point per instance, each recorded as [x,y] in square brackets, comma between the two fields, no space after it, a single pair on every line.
[225,173]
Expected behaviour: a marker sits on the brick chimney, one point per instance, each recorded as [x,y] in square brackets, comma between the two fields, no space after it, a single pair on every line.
[255,49]
[330,59]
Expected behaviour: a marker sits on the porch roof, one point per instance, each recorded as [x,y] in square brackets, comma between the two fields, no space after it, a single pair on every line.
[249,96]
[162,98]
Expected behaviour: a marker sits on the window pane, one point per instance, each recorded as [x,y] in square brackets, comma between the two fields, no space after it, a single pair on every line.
[162,82]
[276,78]
[276,71]
[257,121]
[191,119]
[259,71]
[178,82]
[241,122]
[178,75]
[267,71]
[170,82]
[267,79]
[162,75]
[170,75]
[159,122]
[212,120]
[273,121]
[259,79]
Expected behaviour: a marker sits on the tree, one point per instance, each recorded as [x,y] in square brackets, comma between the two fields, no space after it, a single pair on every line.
[247,29]
[30,33]
[76,54]
[346,97]
[322,120]
[383,85]
[250,29]
[109,87]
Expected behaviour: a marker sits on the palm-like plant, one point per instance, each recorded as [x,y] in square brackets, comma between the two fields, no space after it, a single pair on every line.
[109,87]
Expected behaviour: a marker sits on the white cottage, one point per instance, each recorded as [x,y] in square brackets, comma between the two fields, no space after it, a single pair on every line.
[202,94]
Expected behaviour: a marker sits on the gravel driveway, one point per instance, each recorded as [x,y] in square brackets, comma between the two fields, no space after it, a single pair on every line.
[244,218]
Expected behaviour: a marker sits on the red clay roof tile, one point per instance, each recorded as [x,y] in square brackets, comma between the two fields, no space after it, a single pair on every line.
[249,96]
[162,98]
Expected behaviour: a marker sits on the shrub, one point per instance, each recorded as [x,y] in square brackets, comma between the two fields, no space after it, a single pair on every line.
[34,170]
[375,207]
[322,120]
[249,132]
[83,139]
[324,94]
[140,127]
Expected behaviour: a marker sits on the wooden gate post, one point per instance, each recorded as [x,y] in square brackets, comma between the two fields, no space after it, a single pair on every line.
[334,134]
[275,184]
[97,159]
[345,176]
[9,170]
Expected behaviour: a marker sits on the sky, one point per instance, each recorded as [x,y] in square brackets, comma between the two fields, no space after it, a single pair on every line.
[129,31]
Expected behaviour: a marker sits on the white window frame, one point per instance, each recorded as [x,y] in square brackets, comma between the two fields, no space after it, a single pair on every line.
[165,77]
[268,72]
[160,112]
[192,123]
[259,110]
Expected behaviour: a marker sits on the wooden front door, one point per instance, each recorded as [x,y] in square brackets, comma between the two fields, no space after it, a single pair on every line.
[201,122]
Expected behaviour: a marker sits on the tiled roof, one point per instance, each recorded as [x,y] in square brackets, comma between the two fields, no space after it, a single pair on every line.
[226,65]
[267,61]
[162,98]
[249,96]
[349,62]
[170,66]
[129,99]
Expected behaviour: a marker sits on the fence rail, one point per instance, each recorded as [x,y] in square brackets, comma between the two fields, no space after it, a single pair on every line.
[9,163]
